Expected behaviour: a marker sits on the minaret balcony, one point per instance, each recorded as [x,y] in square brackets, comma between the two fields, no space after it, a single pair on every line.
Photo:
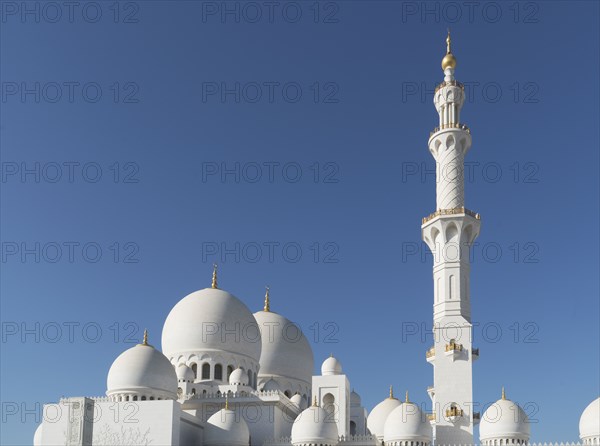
[454,413]
[453,211]
[430,354]
[450,126]
[431,417]
[452,83]
[476,417]
[431,391]
[475,353]
[453,349]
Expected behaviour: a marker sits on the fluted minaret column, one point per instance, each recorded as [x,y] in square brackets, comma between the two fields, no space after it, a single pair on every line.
[449,232]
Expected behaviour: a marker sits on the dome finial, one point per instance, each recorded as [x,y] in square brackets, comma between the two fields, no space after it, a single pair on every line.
[449,61]
[406,400]
[391,392]
[315,404]
[503,393]
[227,401]
[145,340]
[214,277]
[267,307]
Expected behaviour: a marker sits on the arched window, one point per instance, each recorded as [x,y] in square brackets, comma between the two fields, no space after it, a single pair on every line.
[206,370]
[329,404]
[219,372]
[151,398]
[135,398]
[143,398]
[194,368]
[250,377]
[193,391]
[288,393]
[352,428]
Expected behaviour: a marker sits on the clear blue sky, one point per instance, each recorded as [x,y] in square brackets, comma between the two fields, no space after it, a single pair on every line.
[140,103]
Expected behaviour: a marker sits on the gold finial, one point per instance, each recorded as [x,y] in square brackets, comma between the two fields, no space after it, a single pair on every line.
[449,61]
[391,392]
[315,404]
[267,301]
[227,401]
[503,393]
[406,400]
[145,340]
[214,277]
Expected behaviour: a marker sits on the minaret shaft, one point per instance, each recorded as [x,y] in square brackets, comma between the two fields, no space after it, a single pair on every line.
[449,232]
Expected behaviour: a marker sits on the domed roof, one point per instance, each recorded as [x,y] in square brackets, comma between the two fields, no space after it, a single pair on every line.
[407,423]
[285,350]
[377,417]
[354,398]
[589,423]
[331,366]
[238,377]
[142,368]
[185,373]
[225,428]
[37,437]
[504,419]
[270,385]
[191,322]
[314,426]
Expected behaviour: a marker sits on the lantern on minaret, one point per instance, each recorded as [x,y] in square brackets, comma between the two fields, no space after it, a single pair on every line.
[449,233]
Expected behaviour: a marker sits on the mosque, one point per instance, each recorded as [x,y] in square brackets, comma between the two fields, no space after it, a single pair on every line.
[227,377]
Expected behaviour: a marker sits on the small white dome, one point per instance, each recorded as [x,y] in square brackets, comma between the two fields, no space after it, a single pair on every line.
[211,320]
[355,399]
[331,366]
[407,423]
[504,420]
[37,437]
[314,426]
[238,378]
[589,423]
[226,428]
[142,370]
[184,373]
[270,385]
[285,350]
[377,417]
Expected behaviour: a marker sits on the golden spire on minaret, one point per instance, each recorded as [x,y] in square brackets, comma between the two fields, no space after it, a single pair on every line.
[145,340]
[391,393]
[406,400]
[449,61]
[315,404]
[227,401]
[267,307]
[214,277]
[503,393]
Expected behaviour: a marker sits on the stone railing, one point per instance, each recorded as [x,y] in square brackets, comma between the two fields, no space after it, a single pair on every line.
[454,412]
[453,83]
[454,347]
[450,126]
[453,211]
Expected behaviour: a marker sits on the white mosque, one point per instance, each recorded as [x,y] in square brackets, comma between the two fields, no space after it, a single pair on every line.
[227,377]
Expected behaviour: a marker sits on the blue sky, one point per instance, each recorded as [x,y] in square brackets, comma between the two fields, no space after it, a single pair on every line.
[143,142]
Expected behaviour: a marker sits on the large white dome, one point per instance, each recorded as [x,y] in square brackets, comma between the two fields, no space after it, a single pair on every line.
[37,437]
[504,420]
[285,350]
[377,417]
[314,426]
[407,423]
[142,370]
[226,428]
[589,423]
[211,320]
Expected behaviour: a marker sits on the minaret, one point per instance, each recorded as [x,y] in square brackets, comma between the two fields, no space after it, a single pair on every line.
[449,233]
